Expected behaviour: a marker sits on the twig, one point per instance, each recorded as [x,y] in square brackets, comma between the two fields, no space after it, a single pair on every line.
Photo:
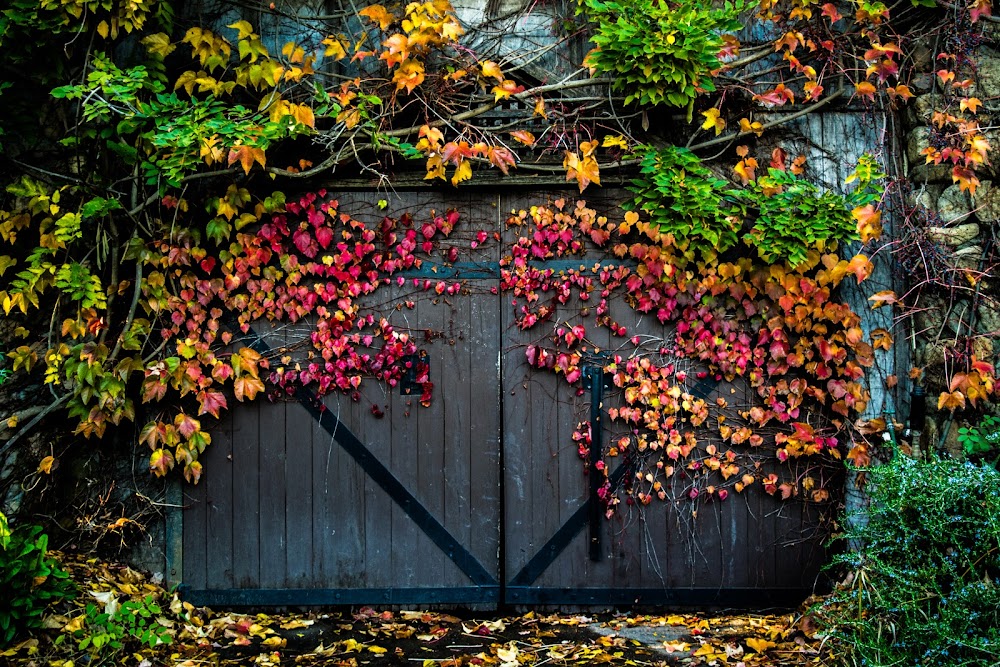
[27,427]
[774,123]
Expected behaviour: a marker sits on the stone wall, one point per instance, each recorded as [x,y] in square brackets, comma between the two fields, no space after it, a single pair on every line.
[946,249]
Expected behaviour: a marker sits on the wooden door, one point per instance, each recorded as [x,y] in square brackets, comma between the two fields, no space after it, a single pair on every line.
[371,498]
[559,546]
[480,498]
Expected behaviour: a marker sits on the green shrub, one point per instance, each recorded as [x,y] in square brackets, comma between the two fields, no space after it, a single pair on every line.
[681,196]
[793,216]
[30,581]
[107,631]
[981,440]
[925,584]
[660,52]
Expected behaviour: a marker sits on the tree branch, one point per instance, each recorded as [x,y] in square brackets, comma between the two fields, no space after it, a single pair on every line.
[27,427]
[774,123]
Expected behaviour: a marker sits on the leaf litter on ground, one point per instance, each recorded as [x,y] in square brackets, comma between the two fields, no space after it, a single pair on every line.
[336,637]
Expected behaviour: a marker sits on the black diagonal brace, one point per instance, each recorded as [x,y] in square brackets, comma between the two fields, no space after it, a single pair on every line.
[548,554]
[388,482]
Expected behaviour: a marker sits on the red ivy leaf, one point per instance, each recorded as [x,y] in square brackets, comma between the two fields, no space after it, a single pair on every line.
[211,402]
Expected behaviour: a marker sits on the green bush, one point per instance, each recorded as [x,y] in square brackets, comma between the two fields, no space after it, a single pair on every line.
[30,581]
[660,52]
[793,216]
[983,440]
[925,583]
[107,631]
[682,197]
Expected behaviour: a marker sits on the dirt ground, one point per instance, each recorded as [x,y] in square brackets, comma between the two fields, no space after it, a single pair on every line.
[193,637]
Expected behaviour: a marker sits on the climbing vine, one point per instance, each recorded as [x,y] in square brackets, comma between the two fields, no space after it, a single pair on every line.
[168,214]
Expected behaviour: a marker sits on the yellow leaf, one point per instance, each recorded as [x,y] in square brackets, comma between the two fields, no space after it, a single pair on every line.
[377,650]
[409,75]
[159,43]
[747,126]
[435,168]
[615,140]
[972,104]
[303,115]
[75,624]
[334,48]
[243,28]
[102,29]
[491,70]
[46,465]
[712,120]
[462,173]
[275,642]
[759,645]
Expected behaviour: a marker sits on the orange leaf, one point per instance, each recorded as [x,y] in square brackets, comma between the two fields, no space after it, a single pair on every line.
[881,338]
[45,465]
[747,126]
[378,14]
[869,222]
[398,50]
[971,103]
[865,89]
[883,298]
[901,90]
[505,90]
[192,472]
[246,156]
[860,267]
[540,108]
[409,75]
[951,400]
[247,387]
[746,169]
[523,136]
[965,178]
[501,158]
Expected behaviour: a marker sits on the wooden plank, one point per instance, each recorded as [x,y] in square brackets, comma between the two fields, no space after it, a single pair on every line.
[246,501]
[406,561]
[271,485]
[298,497]
[518,498]
[339,503]
[174,534]
[483,343]
[219,509]
[455,396]
[432,314]
[380,511]
[195,562]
